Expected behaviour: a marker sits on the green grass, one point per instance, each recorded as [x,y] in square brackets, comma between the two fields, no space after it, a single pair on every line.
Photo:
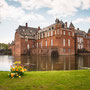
[47,80]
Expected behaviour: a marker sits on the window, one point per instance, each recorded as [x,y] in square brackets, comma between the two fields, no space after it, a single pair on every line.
[55,32]
[37,45]
[48,34]
[69,50]
[68,42]
[28,46]
[41,44]
[32,46]
[72,33]
[64,50]
[52,42]
[78,46]
[69,33]
[51,33]
[78,39]
[52,27]
[45,34]
[64,33]
[46,43]
[42,35]
[63,42]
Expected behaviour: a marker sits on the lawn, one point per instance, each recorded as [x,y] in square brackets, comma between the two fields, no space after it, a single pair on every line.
[47,80]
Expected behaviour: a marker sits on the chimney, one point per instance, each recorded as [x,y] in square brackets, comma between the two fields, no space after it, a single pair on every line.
[38,27]
[65,24]
[26,25]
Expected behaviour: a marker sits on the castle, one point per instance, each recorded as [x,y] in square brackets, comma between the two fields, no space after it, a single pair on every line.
[56,38]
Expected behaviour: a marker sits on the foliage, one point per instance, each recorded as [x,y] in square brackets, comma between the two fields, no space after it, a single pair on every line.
[3,46]
[17,70]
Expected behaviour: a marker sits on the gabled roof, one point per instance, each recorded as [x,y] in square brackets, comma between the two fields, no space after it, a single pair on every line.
[71,25]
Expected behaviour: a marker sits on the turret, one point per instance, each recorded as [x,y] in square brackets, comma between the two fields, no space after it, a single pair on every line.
[57,20]
[71,26]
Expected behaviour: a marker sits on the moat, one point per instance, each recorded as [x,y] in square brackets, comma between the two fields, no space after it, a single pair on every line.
[44,63]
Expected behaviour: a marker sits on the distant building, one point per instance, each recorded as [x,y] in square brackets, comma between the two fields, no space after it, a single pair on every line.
[56,38]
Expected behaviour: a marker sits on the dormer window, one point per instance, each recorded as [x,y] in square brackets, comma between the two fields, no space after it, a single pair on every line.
[52,27]
[49,28]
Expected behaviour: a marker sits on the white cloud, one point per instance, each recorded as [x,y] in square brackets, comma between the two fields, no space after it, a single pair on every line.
[57,7]
[81,20]
[85,4]
[18,14]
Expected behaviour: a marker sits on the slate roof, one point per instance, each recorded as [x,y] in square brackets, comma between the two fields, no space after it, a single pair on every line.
[89,31]
[80,32]
[28,32]
[71,25]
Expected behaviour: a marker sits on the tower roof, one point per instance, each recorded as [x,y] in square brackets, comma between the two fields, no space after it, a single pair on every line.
[57,20]
[71,25]
[89,31]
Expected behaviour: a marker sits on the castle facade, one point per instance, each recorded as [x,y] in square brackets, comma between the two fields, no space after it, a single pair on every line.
[57,38]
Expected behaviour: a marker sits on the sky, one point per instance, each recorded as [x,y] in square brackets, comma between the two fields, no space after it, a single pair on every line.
[41,13]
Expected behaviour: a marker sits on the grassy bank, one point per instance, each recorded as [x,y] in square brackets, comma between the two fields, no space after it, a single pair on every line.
[47,80]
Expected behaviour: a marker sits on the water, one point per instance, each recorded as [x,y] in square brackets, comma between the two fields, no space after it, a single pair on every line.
[44,63]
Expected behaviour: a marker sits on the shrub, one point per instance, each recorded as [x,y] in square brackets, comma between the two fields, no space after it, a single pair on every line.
[17,70]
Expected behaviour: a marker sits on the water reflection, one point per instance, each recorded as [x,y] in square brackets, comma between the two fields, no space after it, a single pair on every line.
[5,62]
[44,63]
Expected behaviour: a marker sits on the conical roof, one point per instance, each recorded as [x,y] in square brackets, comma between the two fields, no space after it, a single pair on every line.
[71,25]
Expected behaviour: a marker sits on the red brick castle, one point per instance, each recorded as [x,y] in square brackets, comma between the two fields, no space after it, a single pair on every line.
[56,38]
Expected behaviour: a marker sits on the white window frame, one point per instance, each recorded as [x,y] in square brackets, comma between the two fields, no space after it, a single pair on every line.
[37,44]
[64,33]
[28,46]
[69,42]
[63,42]
[51,42]
[46,43]
[48,34]
[51,33]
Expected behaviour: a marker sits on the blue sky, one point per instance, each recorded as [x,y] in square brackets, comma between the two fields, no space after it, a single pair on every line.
[41,13]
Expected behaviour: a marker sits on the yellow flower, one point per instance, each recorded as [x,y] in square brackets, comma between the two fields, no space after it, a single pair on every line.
[19,76]
[25,69]
[12,74]
[16,69]
[13,69]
